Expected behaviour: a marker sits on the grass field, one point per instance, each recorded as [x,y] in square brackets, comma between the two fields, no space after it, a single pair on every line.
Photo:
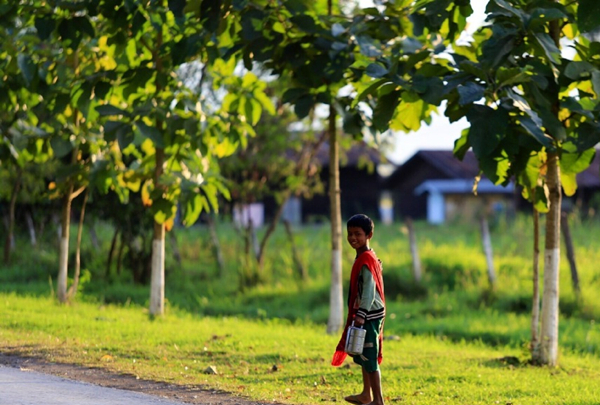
[458,343]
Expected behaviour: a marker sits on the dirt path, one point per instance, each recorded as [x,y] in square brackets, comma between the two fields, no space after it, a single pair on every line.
[100,377]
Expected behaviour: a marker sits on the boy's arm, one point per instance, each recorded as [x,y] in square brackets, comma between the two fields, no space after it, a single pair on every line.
[367,297]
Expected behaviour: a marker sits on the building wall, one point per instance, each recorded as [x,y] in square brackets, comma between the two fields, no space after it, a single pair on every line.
[360,193]
[468,207]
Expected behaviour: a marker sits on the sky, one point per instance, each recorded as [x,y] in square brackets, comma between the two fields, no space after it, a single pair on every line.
[440,134]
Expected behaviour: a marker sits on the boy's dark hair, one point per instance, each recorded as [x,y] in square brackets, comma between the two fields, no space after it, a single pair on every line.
[361,221]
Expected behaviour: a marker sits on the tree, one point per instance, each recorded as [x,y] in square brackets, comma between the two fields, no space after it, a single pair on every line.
[533,112]
[279,163]
[167,135]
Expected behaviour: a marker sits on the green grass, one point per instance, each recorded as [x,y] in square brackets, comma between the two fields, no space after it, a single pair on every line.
[179,347]
[452,329]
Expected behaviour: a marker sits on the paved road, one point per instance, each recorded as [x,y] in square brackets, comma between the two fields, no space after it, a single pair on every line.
[19,387]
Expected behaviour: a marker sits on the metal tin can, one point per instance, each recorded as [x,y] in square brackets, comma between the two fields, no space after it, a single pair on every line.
[355,340]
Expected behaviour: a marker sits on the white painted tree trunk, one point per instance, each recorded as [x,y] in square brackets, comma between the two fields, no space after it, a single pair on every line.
[535,301]
[157,283]
[414,251]
[336,296]
[63,261]
[31,228]
[548,353]
[486,241]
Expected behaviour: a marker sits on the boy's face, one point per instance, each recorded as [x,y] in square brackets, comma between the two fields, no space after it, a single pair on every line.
[358,239]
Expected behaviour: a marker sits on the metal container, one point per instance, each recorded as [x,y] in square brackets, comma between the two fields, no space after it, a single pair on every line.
[355,340]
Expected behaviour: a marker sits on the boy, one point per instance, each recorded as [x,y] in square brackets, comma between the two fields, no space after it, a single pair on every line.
[366,307]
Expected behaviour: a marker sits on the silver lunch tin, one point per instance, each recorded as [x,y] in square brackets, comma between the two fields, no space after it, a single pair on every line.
[355,340]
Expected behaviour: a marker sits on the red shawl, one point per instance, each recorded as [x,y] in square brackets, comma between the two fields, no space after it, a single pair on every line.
[369,259]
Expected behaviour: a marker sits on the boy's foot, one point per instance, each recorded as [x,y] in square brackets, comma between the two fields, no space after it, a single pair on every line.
[357,399]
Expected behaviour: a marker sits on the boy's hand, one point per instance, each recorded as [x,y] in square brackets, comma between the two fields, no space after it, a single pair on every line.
[359,321]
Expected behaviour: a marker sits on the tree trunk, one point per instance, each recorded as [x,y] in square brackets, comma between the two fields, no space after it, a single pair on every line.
[157,283]
[111,252]
[8,243]
[336,295]
[217,252]
[566,231]
[535,306]
[486,241]
[63,262]
[300,269]
[73,288]
[414,252]
[157,277]
[31,228]
[548,354]
[270,230]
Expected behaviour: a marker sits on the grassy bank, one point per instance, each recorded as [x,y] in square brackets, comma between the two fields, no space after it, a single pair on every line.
[284,361]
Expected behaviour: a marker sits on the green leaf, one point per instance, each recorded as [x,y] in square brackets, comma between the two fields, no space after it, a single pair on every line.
[384,110]
[151,133]
[193,209]
[376,71]
[550,49]
[462,145]
[125,136]
[572,161]
[588,136]
[291,95]
[569,183]
[488,128]
[44,26]
[61,147]
[578,70]
[587,15]
[369,47]
[470,93]
[372,88]
[27,67]
[109,109]
[535,131]
[540,16]
[540,200]
[353,123]
[596,82]
[303,106]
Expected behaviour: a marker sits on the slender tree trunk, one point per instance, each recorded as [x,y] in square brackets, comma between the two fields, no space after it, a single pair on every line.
[8,243]
[157,283]
[270,230]
[120,251]
[111,252]
[217,252]
[535,306]
[486,241]
[414,251]
[31,228]
[157,272]
[63,262]
[566,231]
[300,269]
[73,288]
[549,332]
[336,296]
[157,278]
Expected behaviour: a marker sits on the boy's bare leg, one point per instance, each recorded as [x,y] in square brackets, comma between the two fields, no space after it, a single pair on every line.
[375,383]
[365,396]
